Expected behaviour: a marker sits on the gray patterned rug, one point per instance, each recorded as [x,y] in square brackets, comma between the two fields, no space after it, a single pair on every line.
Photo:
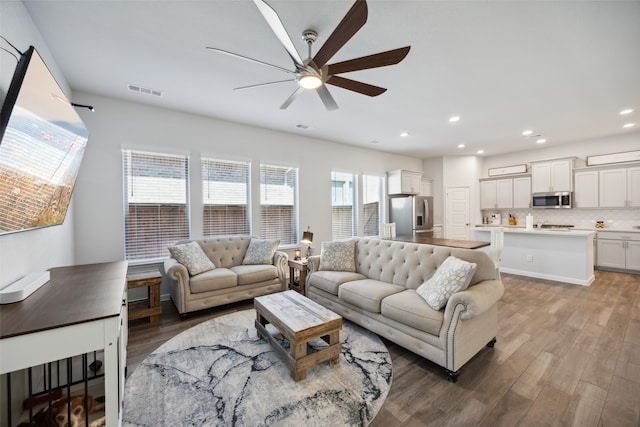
[219,373]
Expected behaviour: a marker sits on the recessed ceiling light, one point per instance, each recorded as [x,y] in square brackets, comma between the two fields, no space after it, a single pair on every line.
[527,132]
[626,111]
[404,134]
[460,145]
[541,141]
[454,119]
[480,151]
[628,125]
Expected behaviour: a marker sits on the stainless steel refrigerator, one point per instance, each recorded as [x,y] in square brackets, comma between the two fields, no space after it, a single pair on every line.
[411,214]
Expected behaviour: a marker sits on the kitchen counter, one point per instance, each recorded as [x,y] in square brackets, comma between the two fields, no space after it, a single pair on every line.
[464,244]
[560,255]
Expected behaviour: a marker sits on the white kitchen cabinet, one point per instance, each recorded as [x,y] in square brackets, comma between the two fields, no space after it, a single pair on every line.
[522,192]
[618,250]
[552,176]
[586,189]
[613,188]
[427,187]
[437,231]
[404,182]
[496,194]
[633,187]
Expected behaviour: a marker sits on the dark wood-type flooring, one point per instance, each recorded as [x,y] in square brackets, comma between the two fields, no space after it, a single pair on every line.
[566,355]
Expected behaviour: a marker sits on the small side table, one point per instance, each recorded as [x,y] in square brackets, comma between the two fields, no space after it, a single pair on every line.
[301,266]
[152,280]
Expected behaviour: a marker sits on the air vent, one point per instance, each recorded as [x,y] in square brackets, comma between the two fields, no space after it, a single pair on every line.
[144,90]
[301,126]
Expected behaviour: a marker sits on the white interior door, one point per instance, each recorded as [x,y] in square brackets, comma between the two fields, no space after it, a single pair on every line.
[458,215]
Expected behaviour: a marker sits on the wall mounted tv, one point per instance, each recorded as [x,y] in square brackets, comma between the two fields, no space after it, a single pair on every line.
[42,140]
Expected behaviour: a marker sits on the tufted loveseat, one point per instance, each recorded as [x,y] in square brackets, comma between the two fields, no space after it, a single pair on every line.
[229,281]
[381,296]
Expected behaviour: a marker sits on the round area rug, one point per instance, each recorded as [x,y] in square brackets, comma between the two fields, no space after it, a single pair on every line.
[219,373]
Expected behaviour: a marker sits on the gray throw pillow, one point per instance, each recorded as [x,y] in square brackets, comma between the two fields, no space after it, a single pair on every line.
[193,257]
[338,256]
[260,251]
[453,275]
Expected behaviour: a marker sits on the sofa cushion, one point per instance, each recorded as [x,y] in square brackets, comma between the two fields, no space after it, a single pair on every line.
[192,256]
[330,281]
[338,256]
[212,280]
[452,276]
[260,252]
[248,274]
[367,293]
[409,308]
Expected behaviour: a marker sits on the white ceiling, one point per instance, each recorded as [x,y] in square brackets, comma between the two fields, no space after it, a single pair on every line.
[564,69]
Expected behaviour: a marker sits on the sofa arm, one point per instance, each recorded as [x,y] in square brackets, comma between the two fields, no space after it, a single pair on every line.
[477,299]
[313,264]
[281,262]
[176,271]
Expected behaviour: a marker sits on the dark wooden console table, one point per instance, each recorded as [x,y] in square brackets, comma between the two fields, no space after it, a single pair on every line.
[81,309]
[452,243]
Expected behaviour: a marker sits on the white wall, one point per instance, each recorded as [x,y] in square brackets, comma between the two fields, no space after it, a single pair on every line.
[34,250]
[98,195]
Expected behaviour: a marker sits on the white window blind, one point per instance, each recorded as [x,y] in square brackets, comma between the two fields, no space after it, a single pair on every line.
[225,191]
[342,205]
[372,197]
[156,189]
[279,204]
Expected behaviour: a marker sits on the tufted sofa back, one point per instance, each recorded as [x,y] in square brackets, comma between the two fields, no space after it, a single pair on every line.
[410,264]
[224,251]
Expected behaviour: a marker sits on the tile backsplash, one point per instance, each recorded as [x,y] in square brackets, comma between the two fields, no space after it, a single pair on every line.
[579,218]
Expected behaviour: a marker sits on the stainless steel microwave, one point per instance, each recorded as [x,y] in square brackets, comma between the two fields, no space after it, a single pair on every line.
[557,200]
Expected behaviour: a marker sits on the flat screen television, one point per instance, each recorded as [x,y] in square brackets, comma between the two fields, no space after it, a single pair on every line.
[42,141]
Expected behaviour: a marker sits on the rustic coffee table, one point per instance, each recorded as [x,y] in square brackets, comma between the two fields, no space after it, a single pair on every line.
[300,321]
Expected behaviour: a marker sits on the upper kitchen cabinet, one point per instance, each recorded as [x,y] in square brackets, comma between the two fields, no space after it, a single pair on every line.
[496,194]
[586,189]
[552,176]
[620,188]
[404,182]
[522,192]
[427,187]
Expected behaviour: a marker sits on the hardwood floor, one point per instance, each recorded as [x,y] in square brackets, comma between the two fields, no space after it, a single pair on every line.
[566,355]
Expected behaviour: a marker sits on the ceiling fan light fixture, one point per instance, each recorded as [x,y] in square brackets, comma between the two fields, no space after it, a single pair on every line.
[310,82]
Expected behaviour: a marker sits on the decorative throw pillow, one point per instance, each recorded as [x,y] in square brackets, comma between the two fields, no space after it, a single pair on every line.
[260,251]
[453,275]
[193,257]
[338,256]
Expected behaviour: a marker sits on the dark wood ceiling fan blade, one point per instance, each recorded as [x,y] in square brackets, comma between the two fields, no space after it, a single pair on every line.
[350,24]
[293,96]
[327,99]
[382,59]
[363,88]
[277,27]
[246,58]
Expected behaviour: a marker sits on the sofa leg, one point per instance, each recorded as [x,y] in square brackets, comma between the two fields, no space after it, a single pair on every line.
[491,343]
[452,375]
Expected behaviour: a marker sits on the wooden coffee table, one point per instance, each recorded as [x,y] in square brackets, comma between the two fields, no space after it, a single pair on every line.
[299,320]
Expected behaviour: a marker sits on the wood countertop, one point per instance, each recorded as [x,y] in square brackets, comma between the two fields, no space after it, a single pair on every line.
[464,244]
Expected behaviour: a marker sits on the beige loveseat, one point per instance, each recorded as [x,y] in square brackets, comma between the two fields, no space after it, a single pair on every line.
[381,296]
[229,281]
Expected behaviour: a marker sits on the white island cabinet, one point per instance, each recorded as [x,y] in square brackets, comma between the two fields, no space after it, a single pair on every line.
[560,255]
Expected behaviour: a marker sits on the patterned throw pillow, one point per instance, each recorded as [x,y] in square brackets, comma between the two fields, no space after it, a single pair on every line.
[453,275]
[338,256]
[193,257]
[260,251]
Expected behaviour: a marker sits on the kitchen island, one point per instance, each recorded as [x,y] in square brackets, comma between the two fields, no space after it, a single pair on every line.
[452,243]
[560,255]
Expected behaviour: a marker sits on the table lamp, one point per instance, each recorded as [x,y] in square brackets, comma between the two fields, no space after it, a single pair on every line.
[307,238]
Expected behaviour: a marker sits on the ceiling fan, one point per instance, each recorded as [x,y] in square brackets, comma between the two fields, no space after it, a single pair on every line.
[314,73]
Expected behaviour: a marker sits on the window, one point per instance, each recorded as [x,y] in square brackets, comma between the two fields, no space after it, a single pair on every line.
[342,205]
[225,191]
[372,197]
[279,203]
[156,210]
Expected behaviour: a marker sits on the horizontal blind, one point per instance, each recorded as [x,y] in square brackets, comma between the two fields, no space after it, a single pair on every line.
[278,203]
[342,205]
[156,192]
[225,192]
[372,197]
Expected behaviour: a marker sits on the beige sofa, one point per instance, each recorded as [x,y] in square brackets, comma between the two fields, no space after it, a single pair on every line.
[381,296]
[229,281]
